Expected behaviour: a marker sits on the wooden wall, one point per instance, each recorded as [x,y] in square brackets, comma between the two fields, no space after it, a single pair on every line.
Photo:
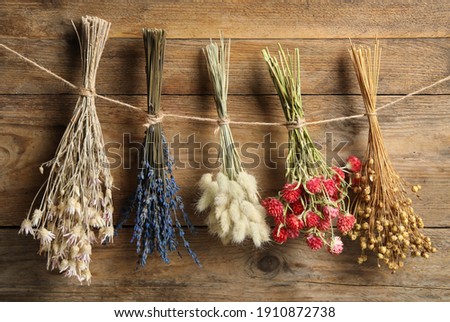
[34,110]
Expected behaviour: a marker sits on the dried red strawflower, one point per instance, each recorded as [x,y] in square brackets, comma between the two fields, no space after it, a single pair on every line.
[331,188]
[297,207]
[339,175]
[336,246]
[330,211]
[274,207]
[345,222]
[314,242]
[293,233]
[314,185]
[314,192]
[312,219]
[292,222]
[353,164]
[291,192]
[280,234]
[324,224]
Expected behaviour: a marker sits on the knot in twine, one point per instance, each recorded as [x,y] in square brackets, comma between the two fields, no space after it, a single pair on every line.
[220,122]
[223,121]
[371,114]
[297,124]
[88,92]
[153,119]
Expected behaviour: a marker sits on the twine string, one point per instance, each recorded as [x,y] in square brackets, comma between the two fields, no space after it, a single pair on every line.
[223,121]
[297,124]
[88,92]
[154,119]
[49,72]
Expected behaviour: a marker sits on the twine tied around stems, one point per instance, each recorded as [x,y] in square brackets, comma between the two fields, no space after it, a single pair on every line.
[223,121]
[297,124]
[153,119]
[88,92]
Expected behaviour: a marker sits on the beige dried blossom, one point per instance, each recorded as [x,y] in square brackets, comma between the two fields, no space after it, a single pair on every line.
[232,199]
[77,196]
[234,213]
[26,227]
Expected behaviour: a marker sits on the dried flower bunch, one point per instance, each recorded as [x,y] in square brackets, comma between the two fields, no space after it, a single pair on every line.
[156,200]
[314,193]
[77,197]
[387,223]
[232,199]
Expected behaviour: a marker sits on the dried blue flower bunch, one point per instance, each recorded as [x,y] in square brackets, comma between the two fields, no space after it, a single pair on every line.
[156,201]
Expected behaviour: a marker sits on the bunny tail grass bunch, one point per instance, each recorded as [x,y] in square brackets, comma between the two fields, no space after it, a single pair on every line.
[232,199]
[156,200]
[76,198]
[387,224]
[314,195]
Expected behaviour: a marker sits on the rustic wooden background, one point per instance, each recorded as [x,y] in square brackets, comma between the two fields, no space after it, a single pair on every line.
[36,108]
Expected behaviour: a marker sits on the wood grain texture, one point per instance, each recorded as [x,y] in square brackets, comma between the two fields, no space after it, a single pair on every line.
[35,109]
[407,65]
[290,272]
[238,19]
[33,124]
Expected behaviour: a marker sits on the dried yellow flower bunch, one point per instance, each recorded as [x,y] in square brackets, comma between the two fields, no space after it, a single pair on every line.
[77,197]
[387,223]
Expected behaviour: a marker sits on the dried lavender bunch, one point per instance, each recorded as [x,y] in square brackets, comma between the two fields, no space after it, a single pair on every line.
[77,197]
[232,200]
[387,223]
[156,200]
[314,194]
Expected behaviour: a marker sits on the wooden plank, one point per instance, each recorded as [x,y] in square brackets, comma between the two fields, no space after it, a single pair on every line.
[33,116]
[407,64]
[243,19]
[416,134]
[288,272]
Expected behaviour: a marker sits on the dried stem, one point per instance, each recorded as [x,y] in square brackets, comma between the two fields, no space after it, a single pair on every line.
[218,62]
[314,193]
[302,154]
[232,199]
[77,196]
[156,200]
[387,223]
